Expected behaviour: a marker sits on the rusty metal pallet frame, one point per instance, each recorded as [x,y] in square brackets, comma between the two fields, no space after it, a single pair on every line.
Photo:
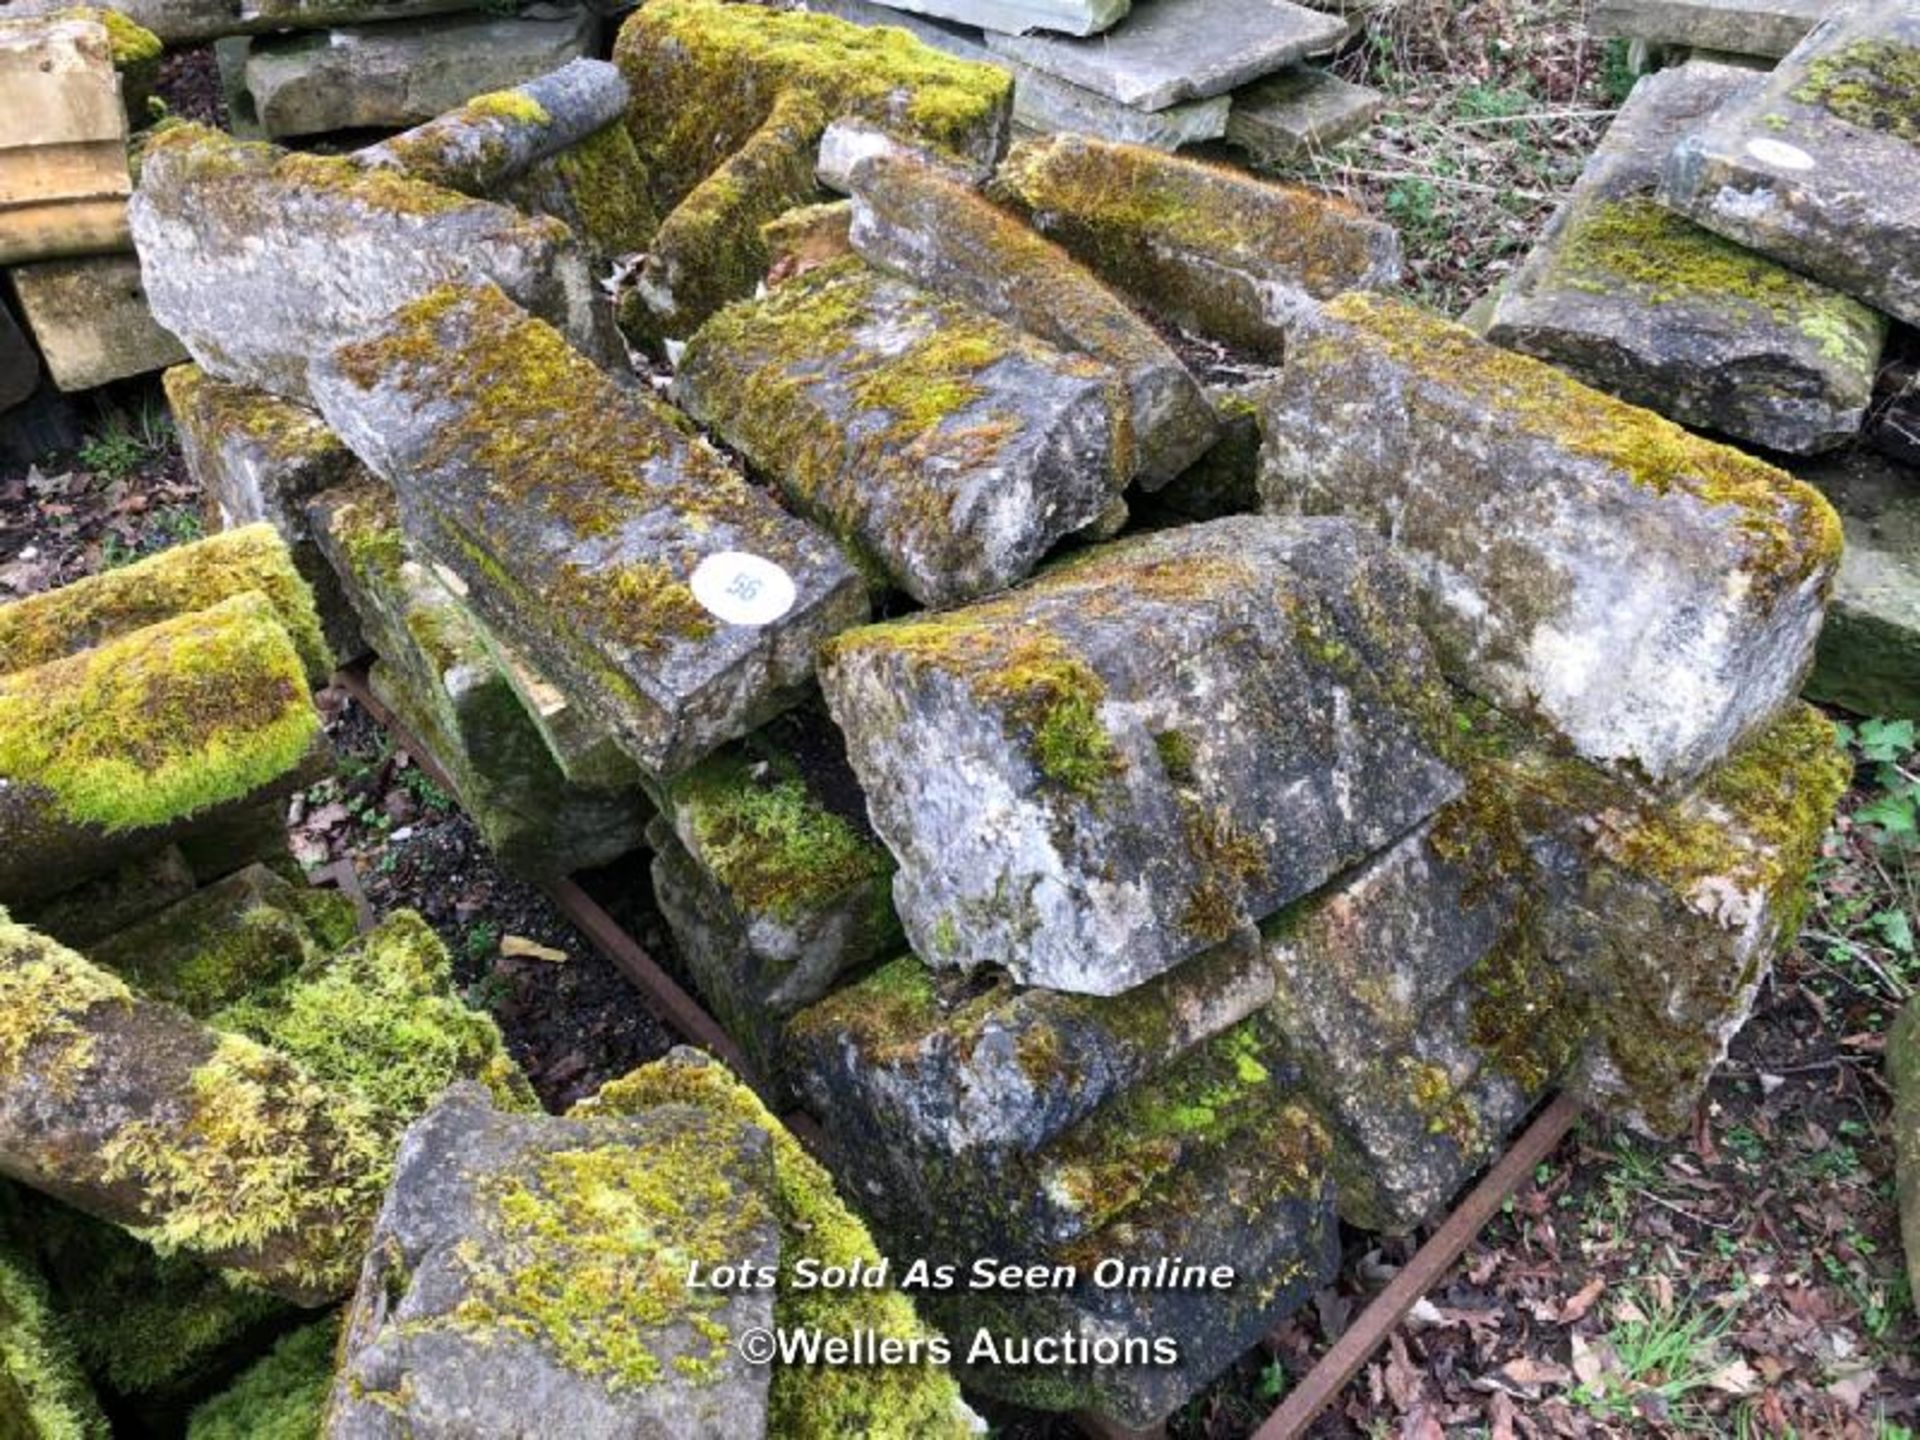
[1317,1389]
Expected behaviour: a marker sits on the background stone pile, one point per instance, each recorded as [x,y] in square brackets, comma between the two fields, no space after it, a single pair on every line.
[1252,798]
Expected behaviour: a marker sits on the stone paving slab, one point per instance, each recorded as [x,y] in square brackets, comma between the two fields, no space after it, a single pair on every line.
[1646,305]
[1751,27]
[91,320]
[1017,17]
[1820,167]
[1298,112]
[1171,50]
[191,22]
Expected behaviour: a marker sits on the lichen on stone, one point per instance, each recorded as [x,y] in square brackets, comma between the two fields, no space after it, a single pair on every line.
[1871,83]
[903,1402]
[1668,260]
[161,723]
[174,582]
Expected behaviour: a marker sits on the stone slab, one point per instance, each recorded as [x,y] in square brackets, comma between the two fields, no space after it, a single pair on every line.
[1646,305]
[1122,763]
[191,22]
[261,261]
[1298,113]
[631,563]
[1216,251]
[486,1209]
[1166,51]
[943,236]
[946,447]
[400,73]
[1869,657]
[63,142]
[1578,554]
[1820,167]
[92,320]
[1747,27]
[1017,17]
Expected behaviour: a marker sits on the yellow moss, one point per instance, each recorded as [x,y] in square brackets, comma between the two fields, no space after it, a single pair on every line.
[43,1395]
[515,105]
[890,1403]
[185,578]
[212,410]
[1789,526]
[1669,260]
[45,991]
[265,1159]
[1874,84]
[163,723]
[607,181]
[134,47]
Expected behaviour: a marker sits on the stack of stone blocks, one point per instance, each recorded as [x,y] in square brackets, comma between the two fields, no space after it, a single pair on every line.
[1738,255]
[1425,741]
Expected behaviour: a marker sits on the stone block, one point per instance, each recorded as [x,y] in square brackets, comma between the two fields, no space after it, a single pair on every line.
[1646,305]
[257,459]
[849,140]
[1651,595]
[1298,113]
[63,142]
[1211,249]
[1869,656]
[484,1205]
[1225,480]
[437,674]
[97,908]
[1816,168]
[771,879]
[1017,17]
[262,261]
[92,320]
[1745,27]
[948,239]
[1120,764]
[947,448]
[116,750]
[629,562]
[806,238]
[1174,50]
[400,73]
[192,22]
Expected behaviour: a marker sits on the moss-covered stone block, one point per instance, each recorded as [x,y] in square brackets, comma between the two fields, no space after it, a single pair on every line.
[1815,167]
[380,1018]
[1646,305]
[1869,655]
[123,747]
[243,933]
[535,1270]
[1146,748]
[260,458]
[587,524]
[1652,595]
[174,582]
[43,1394]
[263,261]
[922,224]
[807,237]
[773,884]
[200,1142]
[1903,1070]
[438,675]
[952,449]
[897,1402]
[598,186]
[1211,249]
[282,1396]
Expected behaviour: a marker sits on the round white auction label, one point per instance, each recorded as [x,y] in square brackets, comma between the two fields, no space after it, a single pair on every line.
[742,589]
[1779,154]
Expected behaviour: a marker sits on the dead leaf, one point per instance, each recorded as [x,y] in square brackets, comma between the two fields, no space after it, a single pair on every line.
[519,947]
[1735,1378]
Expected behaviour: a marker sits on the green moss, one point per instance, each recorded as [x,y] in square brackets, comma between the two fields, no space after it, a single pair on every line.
[1874,84]
[163,723]
[607,183]
[1666,260]
[890,1402]
[172,583]
[280,1397]
[42,1393]
[727,66]
[45,992]
[762,834]
[210,949]
[381,1019]
[264,1159]
[1446,1111]
[1176,754]
[1526,1018]
[1790,529]
[136,51]
[213,411]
